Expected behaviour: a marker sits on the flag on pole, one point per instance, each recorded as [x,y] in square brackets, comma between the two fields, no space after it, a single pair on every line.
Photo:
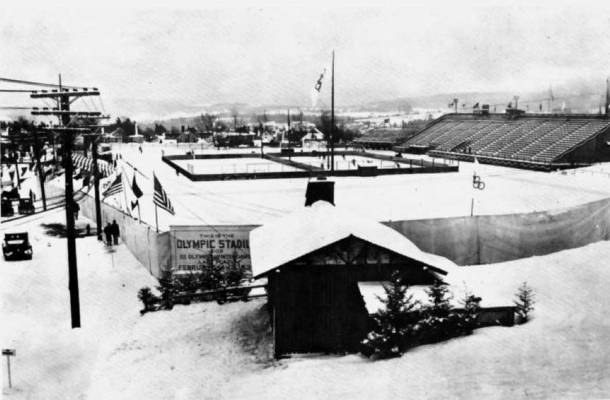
[160,197]
[318,86]
[136,189]
[115,188]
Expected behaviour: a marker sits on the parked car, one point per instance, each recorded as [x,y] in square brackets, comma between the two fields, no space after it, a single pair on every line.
[7,208]
[16,246]
[26,206]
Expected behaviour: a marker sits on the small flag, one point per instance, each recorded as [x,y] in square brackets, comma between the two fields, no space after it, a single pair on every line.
[134,204]
[115,187]
[160,197]
[136,189]
[318,86]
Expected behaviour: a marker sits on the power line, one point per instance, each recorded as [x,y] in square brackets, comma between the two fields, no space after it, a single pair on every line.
[15,91]
[22,82]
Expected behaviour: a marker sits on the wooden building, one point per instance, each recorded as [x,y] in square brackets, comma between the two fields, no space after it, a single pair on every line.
[313,260]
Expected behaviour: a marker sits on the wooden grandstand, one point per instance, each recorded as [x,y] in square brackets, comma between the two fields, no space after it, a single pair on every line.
[537,141]
[384,138]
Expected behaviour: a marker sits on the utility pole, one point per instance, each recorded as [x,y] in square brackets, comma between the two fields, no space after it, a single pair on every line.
[606,111]
[96,187]
[332,117]
[288,119]
[17,170]
[64,98]
[41,176]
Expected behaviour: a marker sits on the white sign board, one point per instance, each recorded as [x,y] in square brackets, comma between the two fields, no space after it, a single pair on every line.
[193,248]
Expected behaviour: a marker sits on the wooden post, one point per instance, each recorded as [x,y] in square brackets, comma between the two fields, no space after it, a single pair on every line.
[17,170]
[156,219]
[8,353]
[332,117]
[41,176]
[471,206]
[96,188]
[64,105]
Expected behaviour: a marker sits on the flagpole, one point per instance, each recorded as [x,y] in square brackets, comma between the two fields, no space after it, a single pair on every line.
[332,117]
[156,218]
[127,205]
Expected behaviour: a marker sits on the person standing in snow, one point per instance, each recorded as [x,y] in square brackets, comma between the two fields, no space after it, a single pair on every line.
[108,233]
[115,231]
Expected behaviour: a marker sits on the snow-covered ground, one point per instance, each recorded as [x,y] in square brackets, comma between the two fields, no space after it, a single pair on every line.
[189,352]
[382,198]
[201,351]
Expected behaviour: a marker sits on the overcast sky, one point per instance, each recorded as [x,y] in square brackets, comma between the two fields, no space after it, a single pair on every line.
[196,55]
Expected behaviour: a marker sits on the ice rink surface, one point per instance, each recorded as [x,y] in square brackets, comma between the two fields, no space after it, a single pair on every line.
[233,166]
[383,198]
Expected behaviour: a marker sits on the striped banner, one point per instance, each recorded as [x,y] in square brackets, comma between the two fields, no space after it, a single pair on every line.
[115,188]
[86,163]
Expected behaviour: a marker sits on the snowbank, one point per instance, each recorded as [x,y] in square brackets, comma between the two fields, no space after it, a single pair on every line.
[204,351]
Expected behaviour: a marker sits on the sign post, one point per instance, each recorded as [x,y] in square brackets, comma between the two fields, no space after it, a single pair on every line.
[8,353]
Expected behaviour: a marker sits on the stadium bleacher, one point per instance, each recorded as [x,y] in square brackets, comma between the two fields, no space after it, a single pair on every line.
[534,140]
[384,138]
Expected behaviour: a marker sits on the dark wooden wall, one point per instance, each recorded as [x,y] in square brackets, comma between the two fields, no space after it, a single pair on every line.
[315,300]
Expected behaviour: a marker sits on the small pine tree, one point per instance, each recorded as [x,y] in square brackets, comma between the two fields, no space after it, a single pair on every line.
[167,289]
[439,322]
[472,305]
[440,298]
[393,326]
[524,301]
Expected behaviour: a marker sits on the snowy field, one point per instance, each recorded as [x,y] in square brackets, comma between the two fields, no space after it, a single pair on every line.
[383,198]
[205,351]
[349,162]
[233,166]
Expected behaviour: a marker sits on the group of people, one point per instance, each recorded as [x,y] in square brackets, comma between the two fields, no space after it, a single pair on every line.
[112,232]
